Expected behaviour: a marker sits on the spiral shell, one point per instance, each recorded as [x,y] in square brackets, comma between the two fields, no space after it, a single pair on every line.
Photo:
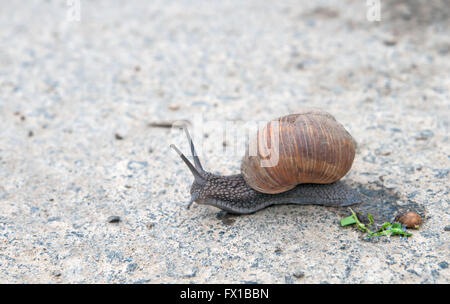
[307,147]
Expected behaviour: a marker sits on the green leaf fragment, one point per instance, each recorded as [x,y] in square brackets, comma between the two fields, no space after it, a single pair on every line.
[369,216]
[349,220]
[396,225]
[387,228]
[385,225]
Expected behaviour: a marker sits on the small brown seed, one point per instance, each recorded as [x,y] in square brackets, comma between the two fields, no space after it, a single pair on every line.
[410,219]
[173,107]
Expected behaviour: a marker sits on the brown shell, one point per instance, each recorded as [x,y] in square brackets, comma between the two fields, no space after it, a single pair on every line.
[312,148]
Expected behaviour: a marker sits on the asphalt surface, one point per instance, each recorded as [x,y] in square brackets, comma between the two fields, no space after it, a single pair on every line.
[90,191]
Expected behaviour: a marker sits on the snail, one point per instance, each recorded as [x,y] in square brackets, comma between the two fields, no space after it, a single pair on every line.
[314,153]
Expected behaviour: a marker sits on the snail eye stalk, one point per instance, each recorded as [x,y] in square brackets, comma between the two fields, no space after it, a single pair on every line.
[198,177]
[197,163]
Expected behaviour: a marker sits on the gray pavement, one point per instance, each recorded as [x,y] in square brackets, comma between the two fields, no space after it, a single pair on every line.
[77,97]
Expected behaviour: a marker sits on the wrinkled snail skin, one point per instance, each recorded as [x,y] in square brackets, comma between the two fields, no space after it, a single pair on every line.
[232,194]
[315,152]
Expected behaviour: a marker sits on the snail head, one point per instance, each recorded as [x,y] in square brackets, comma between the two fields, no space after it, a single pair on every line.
[200,175]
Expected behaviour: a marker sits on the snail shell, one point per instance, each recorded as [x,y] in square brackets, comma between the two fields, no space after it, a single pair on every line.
[307,147]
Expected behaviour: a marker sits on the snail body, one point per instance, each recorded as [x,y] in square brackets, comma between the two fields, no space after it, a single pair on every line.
[295,159]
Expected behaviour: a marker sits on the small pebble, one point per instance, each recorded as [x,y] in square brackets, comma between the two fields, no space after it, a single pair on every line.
[390,42]
[298,274]
[384,153]
[56,273]
[118,136]
[424,135]
[443,264]
[114,219]
[300,66]
[447,228]
[131,267]
[190,273]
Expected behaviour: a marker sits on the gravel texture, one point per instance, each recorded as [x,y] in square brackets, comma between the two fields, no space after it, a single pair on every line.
[89,192]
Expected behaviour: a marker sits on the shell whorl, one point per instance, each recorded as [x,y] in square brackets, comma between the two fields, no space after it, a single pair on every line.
[306,147]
